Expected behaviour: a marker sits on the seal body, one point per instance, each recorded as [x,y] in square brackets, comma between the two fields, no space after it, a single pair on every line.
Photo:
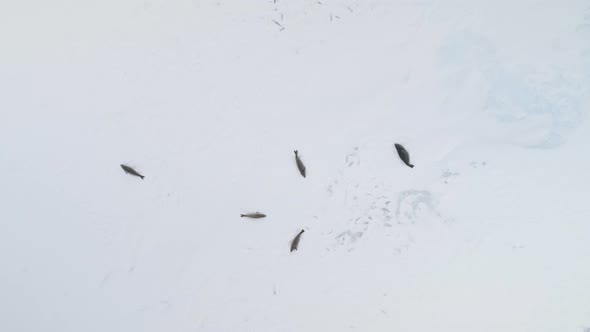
[300,165]
[403,154]
[253,215]
[295,242]
[130,170]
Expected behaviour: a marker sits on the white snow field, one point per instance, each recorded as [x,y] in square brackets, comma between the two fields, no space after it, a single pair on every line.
[209,98]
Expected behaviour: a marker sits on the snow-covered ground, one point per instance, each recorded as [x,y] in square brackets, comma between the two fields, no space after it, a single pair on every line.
[209,98]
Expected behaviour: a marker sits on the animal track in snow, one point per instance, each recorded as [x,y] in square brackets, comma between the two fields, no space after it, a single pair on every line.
[416,206]
[362,210]
[353,159]
[363,207]
[449,174]
[476,164]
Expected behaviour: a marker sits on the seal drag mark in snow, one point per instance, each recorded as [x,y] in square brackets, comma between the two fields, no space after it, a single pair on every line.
[295,242]
[253,215]
[129,170]
[300,165]
[403,154]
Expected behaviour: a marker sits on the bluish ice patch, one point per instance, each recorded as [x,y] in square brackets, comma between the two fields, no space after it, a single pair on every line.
[468,51]
[544,101]
[551,140]
[553,100]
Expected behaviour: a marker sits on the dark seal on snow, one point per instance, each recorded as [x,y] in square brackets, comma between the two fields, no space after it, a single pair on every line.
[129,170]
[300,165]
[253,215]
[295,242]
[403,154]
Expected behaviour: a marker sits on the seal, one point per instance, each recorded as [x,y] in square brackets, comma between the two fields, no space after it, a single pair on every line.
[129,170]
[295,242]
[253,215]
[403,154]
[300,165]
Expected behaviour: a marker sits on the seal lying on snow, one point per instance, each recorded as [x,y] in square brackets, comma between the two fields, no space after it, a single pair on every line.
[299,164]
[295,242]
[253,215]
[129,170]
[403,154]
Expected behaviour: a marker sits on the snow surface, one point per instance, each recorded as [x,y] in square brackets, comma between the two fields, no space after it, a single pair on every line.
[209,98]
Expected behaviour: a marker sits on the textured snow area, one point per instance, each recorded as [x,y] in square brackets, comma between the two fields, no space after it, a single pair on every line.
[208,100]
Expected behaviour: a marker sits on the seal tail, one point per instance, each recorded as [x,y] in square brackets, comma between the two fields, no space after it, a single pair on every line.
[141,176]
[411,166]
[242,216]
[295,152]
